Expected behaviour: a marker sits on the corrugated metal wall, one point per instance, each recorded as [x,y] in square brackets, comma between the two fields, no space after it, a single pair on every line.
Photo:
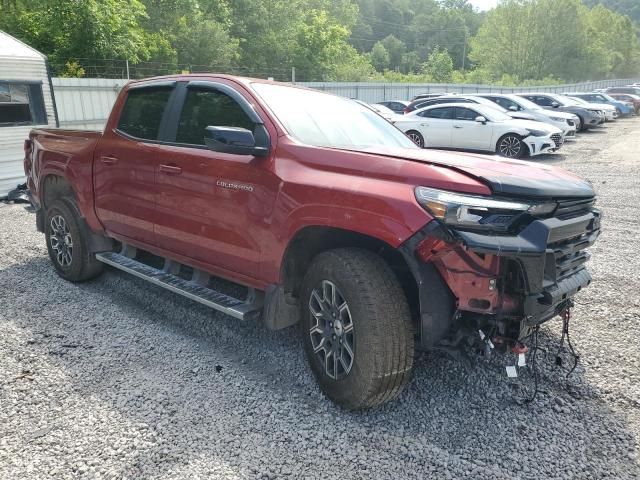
[85,103]
[12,138]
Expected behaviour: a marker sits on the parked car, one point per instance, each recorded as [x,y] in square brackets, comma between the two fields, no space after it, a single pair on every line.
[419,104]
[385,112]
[589,117]
[397,106]
[567,122]
[631,90]
[425,96]
[624,109]
[470,126]
[323,213]
[610,112]
[628,97]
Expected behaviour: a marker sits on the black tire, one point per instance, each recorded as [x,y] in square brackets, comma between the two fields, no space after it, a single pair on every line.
[382,340]
[69,235]
[582,126]
[416,137]
[511,146]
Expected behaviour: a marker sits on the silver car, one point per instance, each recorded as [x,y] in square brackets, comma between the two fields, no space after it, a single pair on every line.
[567,122]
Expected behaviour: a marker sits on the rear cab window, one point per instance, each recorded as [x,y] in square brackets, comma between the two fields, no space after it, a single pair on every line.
[21,103]
[143,111]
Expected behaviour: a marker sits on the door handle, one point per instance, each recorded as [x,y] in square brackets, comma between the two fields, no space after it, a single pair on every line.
[457,126]
[108,159]
[171,169]
[424,124]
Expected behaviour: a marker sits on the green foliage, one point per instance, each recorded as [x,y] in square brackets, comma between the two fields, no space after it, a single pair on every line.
[521,42]
[439,66]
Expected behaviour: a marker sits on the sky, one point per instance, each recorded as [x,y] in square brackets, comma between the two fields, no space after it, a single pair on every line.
[483,4]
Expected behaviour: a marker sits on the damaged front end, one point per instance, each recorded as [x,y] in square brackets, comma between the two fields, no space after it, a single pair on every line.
[502,266]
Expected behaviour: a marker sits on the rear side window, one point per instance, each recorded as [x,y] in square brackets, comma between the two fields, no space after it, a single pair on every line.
[209,108]
[142,112]
[21,104]
[445,113]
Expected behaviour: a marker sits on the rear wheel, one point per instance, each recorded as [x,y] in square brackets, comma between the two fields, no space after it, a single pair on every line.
[356,328]
[416,137]
[68,243]
[511,146]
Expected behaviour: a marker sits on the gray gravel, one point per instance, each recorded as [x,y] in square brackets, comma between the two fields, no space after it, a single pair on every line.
[118,379]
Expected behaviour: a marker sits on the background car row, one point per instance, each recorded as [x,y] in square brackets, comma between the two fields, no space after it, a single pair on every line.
[511,125]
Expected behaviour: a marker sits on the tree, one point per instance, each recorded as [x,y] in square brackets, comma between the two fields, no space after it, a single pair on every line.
[439,66]
[396,50]
[380,57]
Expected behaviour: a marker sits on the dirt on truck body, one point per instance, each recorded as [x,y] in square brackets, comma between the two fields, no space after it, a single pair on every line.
[325,213]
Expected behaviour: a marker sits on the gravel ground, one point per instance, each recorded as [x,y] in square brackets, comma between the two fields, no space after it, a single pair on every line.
[118,379]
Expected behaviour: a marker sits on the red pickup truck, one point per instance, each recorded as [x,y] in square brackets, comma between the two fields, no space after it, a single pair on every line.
[322,213]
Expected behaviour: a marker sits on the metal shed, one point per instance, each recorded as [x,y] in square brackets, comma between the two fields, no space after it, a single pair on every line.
[26,101]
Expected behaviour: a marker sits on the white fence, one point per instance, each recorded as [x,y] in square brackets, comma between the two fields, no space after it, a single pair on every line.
[85,103]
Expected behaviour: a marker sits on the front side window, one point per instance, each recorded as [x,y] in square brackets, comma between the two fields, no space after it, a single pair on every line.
[508,104]
[21,104]
[142,112]
[466,114]
[209,108]
[544,101]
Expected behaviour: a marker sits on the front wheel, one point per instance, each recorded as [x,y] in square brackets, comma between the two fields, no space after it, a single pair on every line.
[416,137]
[356,328]
[68,243]
[511,146]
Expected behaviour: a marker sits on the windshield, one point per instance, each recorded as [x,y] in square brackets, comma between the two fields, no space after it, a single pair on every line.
[524,103]
[491,113]
[324,120]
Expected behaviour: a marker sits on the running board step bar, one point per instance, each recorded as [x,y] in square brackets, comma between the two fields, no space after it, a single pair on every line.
[192,289]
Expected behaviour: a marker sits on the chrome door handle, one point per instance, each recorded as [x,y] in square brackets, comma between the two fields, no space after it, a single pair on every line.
[109,159]
[457,126]
[424,124]
[171,169]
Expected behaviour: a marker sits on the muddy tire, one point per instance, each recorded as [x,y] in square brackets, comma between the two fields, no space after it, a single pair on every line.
[356,328]
[67,238]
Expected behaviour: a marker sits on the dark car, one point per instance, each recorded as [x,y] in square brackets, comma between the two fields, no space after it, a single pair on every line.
[396,106]
[426,96]
[589,117]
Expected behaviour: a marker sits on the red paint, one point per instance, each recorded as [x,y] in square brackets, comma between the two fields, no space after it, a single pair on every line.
[174,201]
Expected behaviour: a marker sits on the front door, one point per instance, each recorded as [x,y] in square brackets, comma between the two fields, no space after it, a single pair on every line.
[469,134]
[436,126]
[212,207]
[124,166]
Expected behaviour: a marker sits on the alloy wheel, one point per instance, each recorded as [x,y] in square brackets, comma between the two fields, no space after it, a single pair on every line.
[510,146]
[415,138]
[61,240]
[331,332]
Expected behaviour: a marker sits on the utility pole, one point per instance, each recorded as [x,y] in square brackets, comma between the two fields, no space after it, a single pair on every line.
[127,60]
[293,75]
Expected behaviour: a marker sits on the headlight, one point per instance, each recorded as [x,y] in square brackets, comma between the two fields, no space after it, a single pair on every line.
[476,212]
[537,133]
[557,119]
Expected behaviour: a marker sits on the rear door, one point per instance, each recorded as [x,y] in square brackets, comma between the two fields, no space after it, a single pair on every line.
[212,206]
[469,134]
[436,126]
[124,166]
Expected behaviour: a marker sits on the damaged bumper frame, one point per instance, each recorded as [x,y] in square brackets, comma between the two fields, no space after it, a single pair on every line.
[517,280]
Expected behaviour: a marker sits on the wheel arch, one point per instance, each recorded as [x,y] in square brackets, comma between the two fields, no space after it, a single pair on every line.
[310,241]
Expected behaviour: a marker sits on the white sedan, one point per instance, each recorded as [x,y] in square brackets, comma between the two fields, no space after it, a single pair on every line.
[478,127]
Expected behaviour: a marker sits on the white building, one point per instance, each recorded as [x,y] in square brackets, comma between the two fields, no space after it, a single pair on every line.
[26,101]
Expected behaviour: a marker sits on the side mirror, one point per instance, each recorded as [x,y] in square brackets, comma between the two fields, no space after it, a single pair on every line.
[513,108]
[555,104]
[236,140]
[481,119]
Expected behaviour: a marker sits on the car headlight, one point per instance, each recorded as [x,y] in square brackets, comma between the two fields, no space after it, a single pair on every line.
[537,133]
[557,119]
[475,212]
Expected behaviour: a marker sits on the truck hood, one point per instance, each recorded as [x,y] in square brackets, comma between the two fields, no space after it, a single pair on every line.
[503,176]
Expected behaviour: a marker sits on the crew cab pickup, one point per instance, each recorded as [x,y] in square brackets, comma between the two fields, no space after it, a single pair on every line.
[322,213]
